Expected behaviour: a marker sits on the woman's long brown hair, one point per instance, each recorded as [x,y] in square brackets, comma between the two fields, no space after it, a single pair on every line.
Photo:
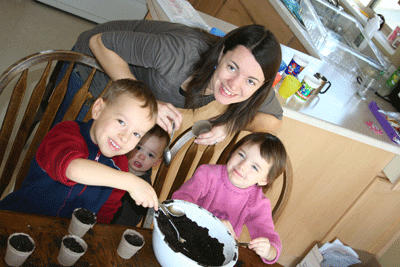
[267,51]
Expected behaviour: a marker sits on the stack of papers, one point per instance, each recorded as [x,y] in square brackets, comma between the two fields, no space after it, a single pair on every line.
[338,255]
[330,255]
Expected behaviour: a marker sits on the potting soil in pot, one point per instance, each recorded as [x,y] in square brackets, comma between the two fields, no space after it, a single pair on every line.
[21,243]
[85,216]
[134,240]
[199,245]
[73,245]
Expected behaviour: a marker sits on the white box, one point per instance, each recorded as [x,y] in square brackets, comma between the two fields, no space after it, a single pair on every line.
[312,259]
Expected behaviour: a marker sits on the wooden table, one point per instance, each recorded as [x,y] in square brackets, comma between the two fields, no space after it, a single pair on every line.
[102,243]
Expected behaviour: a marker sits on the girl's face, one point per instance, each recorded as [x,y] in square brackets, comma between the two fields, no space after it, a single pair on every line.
[237,76]
[246,167]
[118,127]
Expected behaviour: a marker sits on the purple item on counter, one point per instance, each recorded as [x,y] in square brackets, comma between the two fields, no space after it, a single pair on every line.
[391,133]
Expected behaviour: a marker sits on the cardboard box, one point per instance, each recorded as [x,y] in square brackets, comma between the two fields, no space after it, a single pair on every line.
[314,258]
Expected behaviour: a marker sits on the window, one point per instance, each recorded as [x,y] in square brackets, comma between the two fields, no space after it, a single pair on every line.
[390,9]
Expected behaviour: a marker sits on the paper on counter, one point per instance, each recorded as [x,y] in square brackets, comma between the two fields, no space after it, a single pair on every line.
[338,255]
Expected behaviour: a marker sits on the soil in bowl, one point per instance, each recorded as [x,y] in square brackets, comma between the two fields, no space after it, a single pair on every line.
[134,240]
[73,245]
[199,245]
[22,243]
[85,216]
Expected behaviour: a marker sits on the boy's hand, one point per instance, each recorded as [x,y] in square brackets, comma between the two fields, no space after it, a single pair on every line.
[143,194]
[228,225]
[263,248]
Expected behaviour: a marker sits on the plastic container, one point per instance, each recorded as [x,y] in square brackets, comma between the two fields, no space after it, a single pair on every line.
[370,29]
[394,78]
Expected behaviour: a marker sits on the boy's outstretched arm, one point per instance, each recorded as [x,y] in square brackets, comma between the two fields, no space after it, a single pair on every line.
[90,172]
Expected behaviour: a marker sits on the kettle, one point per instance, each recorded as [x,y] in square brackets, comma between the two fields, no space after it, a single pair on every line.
[323,80]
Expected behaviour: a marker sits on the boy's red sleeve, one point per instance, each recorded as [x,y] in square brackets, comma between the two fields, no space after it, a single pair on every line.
[107,211]
[59,147]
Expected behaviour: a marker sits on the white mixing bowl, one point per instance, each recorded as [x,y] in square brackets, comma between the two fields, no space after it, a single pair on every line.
[169,258]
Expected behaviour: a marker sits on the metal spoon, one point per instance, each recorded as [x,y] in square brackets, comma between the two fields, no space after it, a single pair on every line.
[243,244]
[174,212]
[167,152]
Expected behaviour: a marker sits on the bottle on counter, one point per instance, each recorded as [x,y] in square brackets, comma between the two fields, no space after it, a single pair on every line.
[394,78]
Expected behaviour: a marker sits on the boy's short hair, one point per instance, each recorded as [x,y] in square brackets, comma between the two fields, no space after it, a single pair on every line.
[137,89]
[159,132]
[271,149]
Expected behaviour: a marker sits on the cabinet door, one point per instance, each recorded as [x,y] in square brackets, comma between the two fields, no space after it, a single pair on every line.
[372,223]
[233,12]
[262,12]
[210,7]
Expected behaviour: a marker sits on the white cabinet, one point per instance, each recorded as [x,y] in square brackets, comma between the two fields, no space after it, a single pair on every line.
[101,11]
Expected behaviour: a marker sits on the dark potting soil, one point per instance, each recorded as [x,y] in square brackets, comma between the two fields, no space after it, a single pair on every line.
[134,240]
[199,245]
[22,243]
[73,245]
[85,216]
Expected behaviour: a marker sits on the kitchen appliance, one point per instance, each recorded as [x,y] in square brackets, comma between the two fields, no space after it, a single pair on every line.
[101,11]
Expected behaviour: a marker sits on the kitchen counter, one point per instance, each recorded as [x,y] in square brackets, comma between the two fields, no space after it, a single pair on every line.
[339,110]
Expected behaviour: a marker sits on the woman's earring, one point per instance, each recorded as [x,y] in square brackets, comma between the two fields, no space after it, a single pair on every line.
[215,66]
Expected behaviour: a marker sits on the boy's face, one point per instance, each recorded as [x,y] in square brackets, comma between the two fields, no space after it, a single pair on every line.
[246,167]
[118,127]
[147,153]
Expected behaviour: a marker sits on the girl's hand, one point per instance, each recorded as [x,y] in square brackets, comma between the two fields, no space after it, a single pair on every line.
[166,113]
[216,135]
[263,248]
[228,225]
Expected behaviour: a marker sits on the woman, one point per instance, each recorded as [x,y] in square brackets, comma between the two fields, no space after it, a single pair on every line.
[188,68]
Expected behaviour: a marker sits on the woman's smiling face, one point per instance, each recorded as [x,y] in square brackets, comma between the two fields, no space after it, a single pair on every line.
[237,76]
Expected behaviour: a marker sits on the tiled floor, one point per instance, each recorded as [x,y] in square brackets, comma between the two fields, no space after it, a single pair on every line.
[27,26]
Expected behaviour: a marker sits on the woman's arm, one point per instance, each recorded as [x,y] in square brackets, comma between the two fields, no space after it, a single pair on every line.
[263,122]
[115,67]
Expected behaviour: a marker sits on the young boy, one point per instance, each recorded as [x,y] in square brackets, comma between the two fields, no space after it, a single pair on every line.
[147,153]
[84,164]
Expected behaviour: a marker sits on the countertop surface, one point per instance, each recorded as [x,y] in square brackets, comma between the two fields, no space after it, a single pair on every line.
[339,110]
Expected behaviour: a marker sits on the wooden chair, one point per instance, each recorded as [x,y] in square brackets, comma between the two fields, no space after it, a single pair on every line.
[187,156]
[33,103]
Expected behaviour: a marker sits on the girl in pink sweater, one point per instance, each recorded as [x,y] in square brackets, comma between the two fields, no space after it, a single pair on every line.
[234,192]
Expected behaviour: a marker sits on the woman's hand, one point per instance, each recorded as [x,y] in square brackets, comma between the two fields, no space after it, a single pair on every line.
[216,135]
[166,113]
[262,247]
[228,225]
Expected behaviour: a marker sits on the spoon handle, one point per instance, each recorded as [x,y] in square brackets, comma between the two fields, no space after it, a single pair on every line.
[243,244]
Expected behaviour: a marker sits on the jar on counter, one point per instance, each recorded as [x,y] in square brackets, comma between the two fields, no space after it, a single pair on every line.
[394,78]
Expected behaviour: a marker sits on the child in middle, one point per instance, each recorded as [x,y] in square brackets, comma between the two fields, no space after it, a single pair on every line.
[234,192]
[148,153]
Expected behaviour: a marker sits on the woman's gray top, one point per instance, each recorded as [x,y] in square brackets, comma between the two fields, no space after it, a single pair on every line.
[159,53]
